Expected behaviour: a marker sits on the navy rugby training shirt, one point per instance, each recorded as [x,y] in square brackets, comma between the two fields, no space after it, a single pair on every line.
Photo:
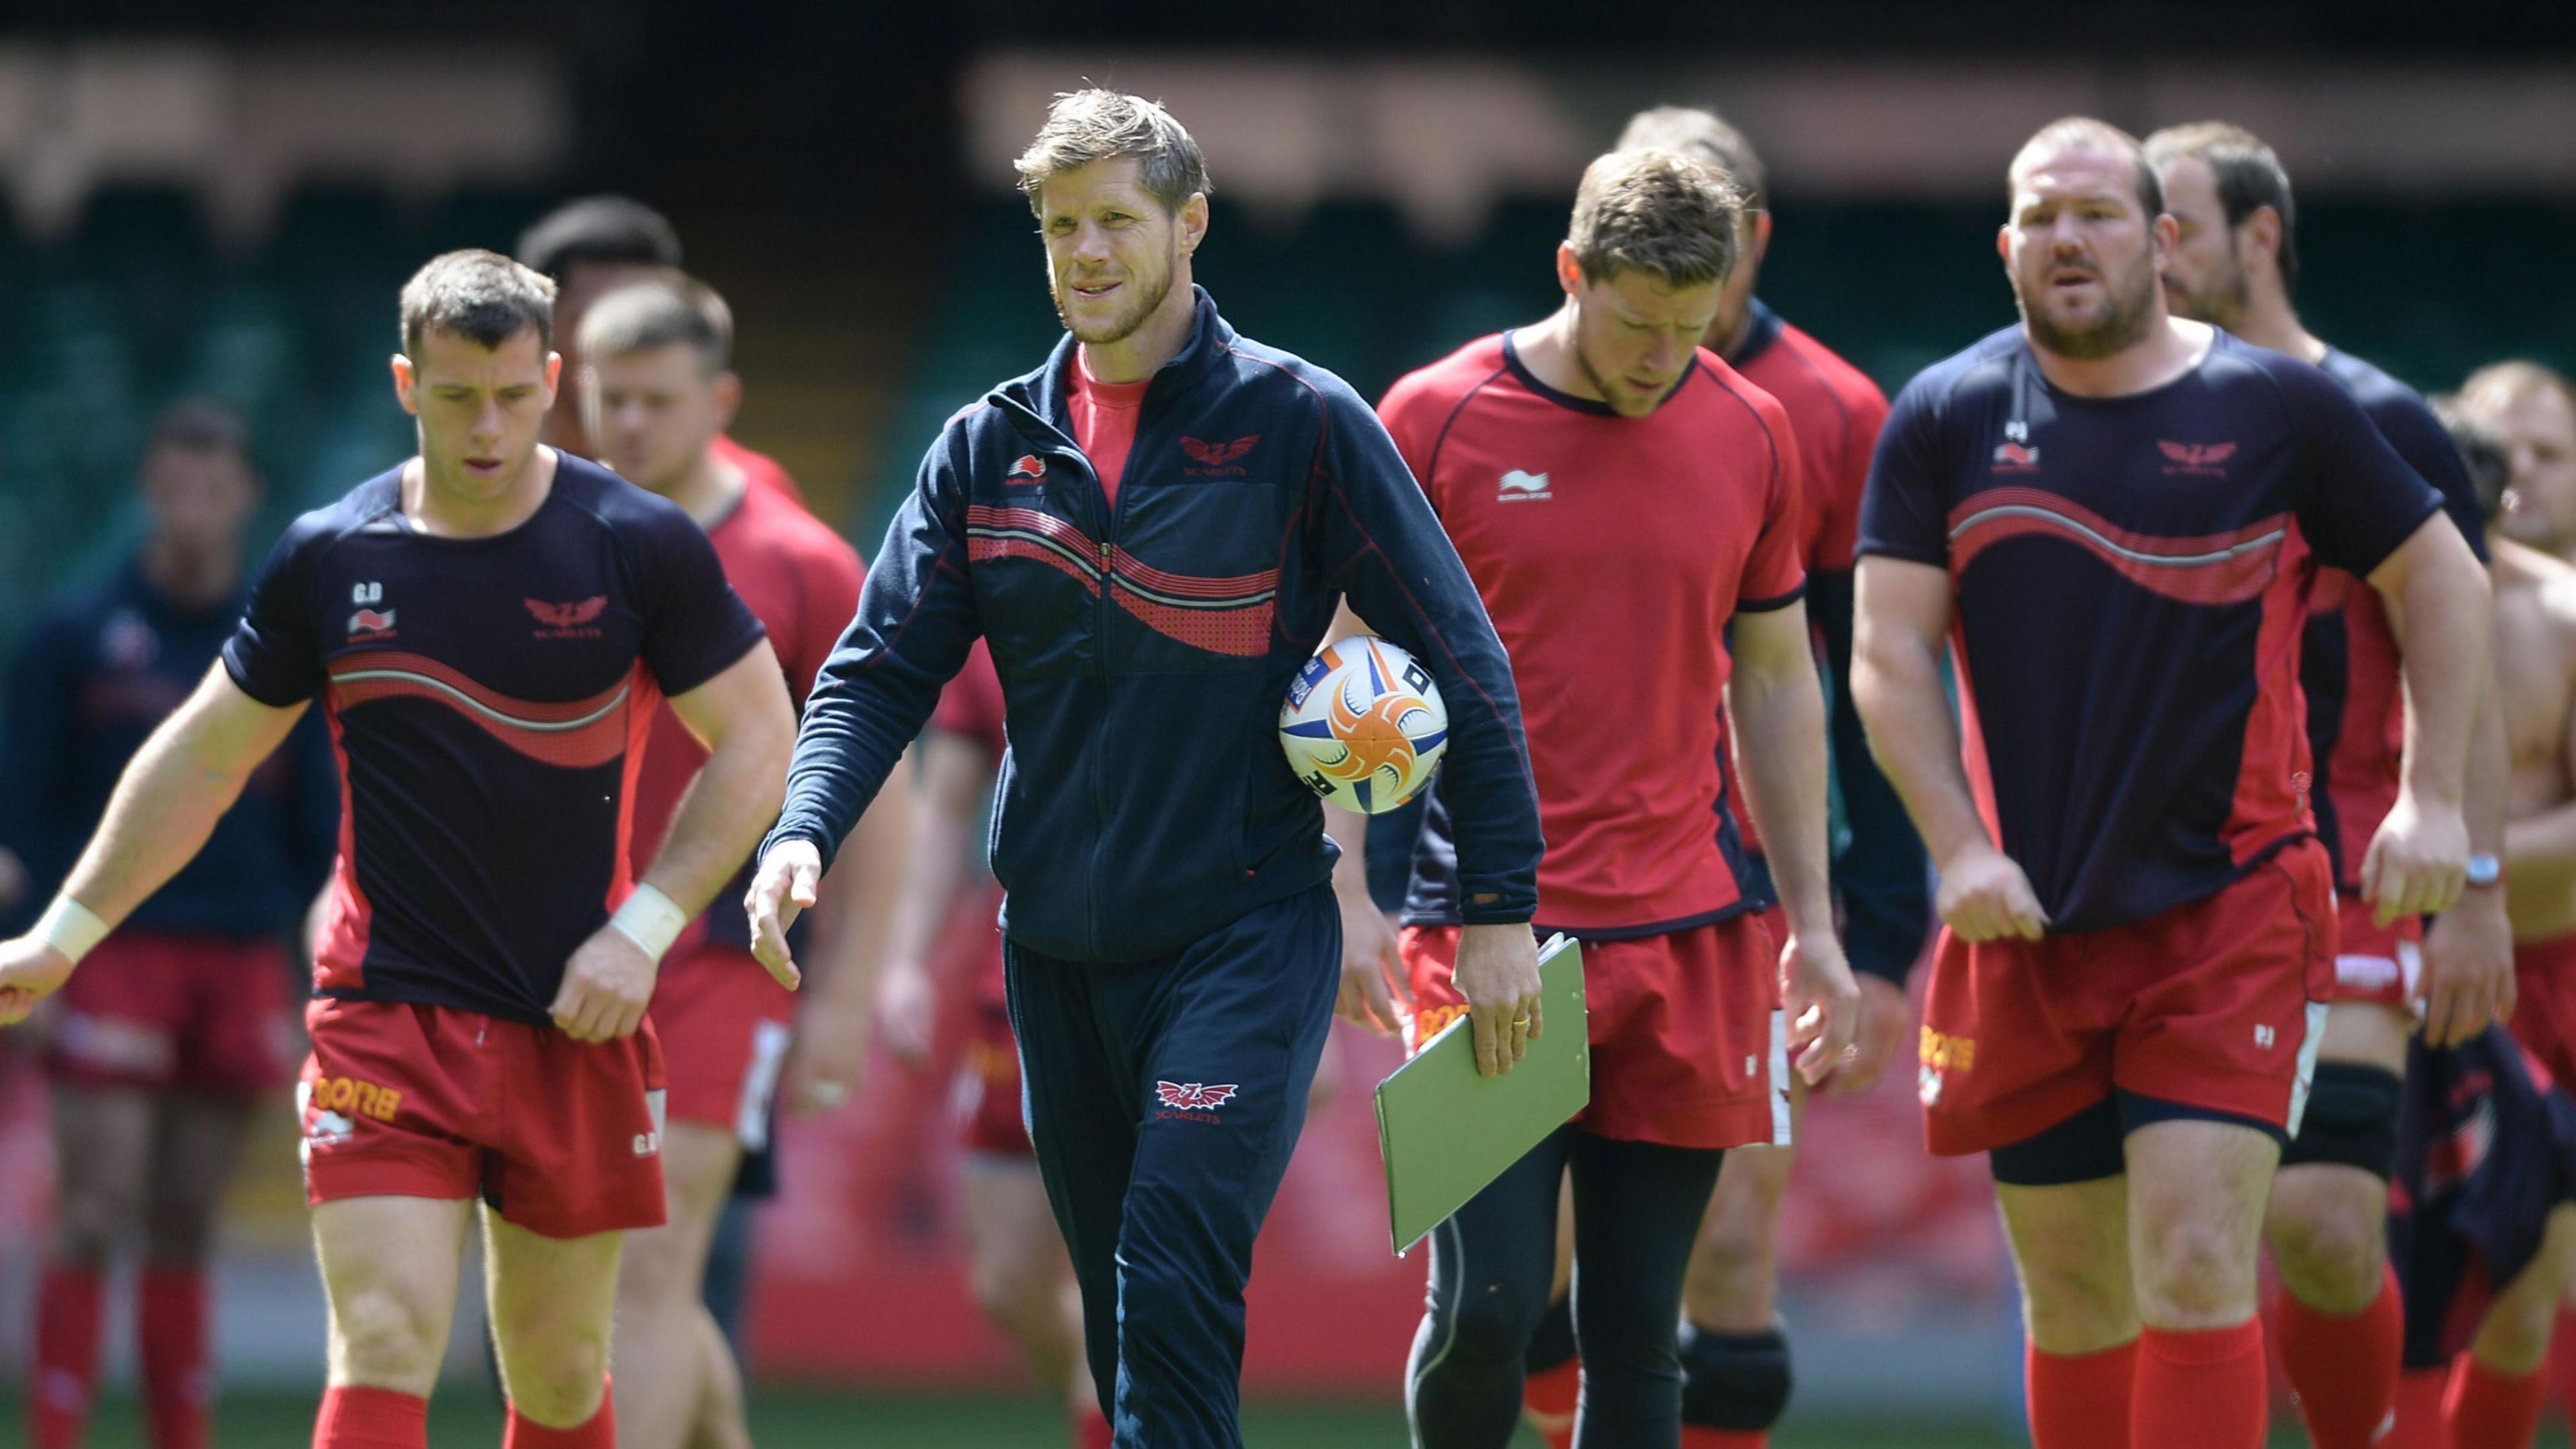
[2133,577]
[488,700]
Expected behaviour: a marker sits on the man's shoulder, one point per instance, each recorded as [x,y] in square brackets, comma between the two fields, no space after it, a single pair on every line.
[1452,377]
[1801,358]
[1981,369]
[770,527]
[621,506]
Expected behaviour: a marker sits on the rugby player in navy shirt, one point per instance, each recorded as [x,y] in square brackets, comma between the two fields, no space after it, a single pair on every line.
[491,626]
[2340,1324]
[1151,532]
[158,1053]
[2120,514]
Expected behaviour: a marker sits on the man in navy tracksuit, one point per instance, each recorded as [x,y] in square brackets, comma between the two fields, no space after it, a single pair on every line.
[1151,532]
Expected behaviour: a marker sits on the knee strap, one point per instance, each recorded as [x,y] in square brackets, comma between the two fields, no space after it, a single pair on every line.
[1738,1381]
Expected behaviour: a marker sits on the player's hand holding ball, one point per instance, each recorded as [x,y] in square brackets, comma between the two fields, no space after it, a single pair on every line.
[1497,972]
[2418,860]
[1985,897]
[1823,1002]
[30,970]
[606,987]
[789,881]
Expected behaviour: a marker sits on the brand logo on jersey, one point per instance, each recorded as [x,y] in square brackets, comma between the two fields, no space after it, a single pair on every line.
[2263,1037]
[2195,460]
[368,624]
[1943,1052]
[1520,487]
[1185,1098]
[1029,468]
[1217,458]
[2016,457]
[647,1143]
[568,621]
[330,1096]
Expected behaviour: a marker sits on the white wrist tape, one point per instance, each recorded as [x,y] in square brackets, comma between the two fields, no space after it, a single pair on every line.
[70,927]
[650,919]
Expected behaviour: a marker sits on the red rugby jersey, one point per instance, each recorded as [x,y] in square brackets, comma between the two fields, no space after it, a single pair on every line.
[1836,412]
[762,470]
[1611,553]
[971,705]
[802,582]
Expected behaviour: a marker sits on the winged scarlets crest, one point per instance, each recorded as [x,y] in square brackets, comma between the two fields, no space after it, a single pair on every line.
[1192,1097]
[2197,455]
[1216,455]
[567,616]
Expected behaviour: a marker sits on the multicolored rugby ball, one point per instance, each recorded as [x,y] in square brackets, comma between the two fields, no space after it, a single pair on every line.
[1364,725]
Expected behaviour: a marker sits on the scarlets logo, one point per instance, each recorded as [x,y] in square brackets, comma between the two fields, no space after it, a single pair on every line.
[1217,458]
[2196,460]
[1188,1097]
[1030,468]
[567,621]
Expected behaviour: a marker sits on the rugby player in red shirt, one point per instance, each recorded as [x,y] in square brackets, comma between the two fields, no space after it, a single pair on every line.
[658,395]
[1623,501]
[2113,518]
[1735,1353]
[590,247]
[489,626]
[2340,1321]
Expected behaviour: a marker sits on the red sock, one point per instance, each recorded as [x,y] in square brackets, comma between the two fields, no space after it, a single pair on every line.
[2489,1410]
[2420,1422]
[1548,1399]
[177,1388]
[1091,1429]
[1696,1437]
[2080,1400]
[67,1332]
[2200,1390]
[2344,1367]
[355,1417]
[599,1433]
[2562,1360]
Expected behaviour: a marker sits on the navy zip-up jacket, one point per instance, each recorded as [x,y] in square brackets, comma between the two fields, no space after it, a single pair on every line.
[1145,649]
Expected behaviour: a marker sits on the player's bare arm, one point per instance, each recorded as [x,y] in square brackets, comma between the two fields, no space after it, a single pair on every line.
[1779,714]
[1901,624]
[830,1049]
[2468,950]
[2536,670]
[954,771]
[743,719]
[167,802]
[2435,590]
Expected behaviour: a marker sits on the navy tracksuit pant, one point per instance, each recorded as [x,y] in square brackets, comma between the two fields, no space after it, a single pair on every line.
[1164,1098]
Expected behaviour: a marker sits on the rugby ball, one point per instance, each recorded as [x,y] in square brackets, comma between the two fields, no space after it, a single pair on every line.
[1364,726]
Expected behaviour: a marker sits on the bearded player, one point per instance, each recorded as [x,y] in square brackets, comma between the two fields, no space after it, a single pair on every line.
[2339,1324]
[2113,517]
[659,394]
[1736,1373]
[1150,532]
[490,626]
[1543,450]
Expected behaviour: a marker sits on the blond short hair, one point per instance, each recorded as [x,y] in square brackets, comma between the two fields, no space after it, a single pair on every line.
[2498,384]
[1703,135]
[1101,125]
[2067,132]
[1658,211]
[663,310]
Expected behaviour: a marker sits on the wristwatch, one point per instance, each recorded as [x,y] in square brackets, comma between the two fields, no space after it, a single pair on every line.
[2485,869]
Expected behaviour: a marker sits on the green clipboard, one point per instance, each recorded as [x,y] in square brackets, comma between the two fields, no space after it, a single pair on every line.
[1444,1132]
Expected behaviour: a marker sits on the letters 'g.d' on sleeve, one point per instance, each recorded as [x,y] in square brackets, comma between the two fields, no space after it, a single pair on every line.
[1774,575]
[916,619]
[695,626]
[275,653]
[1374,532]
[2357,499]
[1905,510]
